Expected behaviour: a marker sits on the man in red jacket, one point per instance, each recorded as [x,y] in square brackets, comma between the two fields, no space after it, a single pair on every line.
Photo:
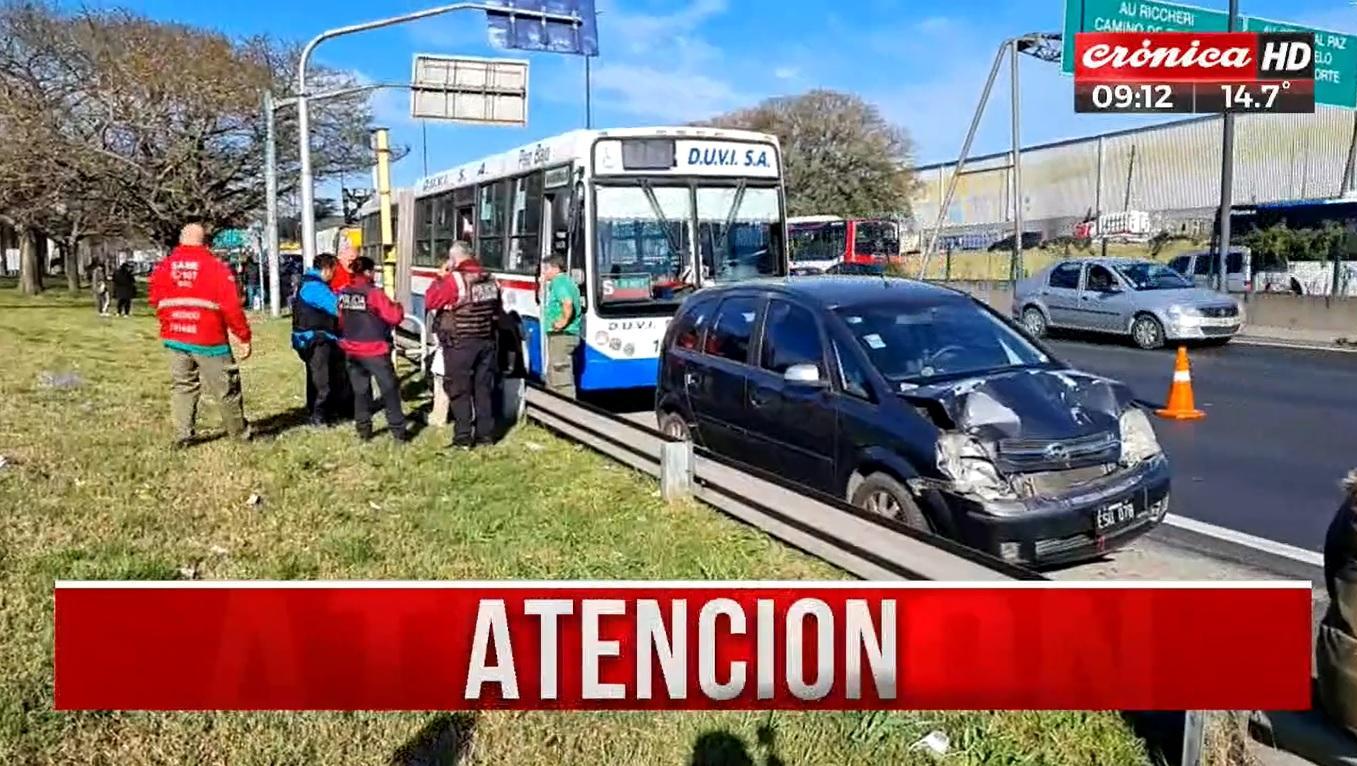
[366,318]
[194,295]
[344,273]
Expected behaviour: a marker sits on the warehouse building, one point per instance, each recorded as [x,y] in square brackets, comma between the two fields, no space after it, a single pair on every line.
[1169,171]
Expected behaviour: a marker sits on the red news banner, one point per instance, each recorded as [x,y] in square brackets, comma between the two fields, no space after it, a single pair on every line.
[617,646]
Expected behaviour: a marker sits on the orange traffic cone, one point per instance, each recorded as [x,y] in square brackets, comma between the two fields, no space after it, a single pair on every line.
[1181,405]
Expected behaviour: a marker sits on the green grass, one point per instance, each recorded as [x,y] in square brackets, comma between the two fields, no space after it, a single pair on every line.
[92,491]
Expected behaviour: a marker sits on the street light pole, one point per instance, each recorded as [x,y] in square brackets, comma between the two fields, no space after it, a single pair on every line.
[1226,178]
[1015,267]
[271,206]
[308,191]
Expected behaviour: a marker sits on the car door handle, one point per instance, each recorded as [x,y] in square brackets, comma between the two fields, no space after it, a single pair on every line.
[690,379]
[757,400]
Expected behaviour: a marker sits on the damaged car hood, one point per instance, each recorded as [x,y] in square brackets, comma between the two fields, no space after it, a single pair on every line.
[1024,404]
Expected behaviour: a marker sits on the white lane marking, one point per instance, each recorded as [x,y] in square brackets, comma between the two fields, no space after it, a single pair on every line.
[1249,541]
[1294,346]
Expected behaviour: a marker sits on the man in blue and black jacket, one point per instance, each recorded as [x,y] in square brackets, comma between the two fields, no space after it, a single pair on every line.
[315,337]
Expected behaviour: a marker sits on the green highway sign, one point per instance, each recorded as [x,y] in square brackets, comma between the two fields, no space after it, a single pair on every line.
[1335,53]
[1335,61]
[1134,16]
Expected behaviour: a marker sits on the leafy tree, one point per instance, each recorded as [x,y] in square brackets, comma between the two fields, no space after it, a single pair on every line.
[116,123]
[840,155]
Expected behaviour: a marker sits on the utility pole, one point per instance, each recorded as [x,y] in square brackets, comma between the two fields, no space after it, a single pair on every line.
[1015,271]
[271,207]
[1226,176]
[588,97]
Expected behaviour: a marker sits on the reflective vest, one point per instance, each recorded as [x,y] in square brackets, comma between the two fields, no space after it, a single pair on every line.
[478,303]
[359,322]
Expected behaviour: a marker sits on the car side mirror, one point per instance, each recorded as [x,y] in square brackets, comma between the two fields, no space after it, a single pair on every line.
[804,375]
[1112,289]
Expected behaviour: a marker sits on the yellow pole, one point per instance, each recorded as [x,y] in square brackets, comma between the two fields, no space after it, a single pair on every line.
[381,142]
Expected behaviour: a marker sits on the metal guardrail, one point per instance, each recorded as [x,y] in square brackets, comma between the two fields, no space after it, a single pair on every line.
[862,544]
[865,545]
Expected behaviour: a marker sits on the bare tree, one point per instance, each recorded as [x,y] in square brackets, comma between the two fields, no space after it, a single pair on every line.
[130,126]
[841,156]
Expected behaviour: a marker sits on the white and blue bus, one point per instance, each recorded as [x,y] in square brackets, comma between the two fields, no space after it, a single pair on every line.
[642,217]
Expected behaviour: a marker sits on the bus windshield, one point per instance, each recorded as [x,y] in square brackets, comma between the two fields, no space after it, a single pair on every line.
[644,243]
[879,238]
[738,232]
[646,234]
[818,241]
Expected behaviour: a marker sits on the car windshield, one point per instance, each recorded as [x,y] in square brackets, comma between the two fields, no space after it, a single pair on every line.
[913,344]
[738,232]
[1152,276]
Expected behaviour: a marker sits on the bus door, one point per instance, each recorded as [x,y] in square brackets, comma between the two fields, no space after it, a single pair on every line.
[562,236]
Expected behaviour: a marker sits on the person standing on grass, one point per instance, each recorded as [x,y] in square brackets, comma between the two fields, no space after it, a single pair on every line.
[124,288]
[194,296]
[99,284]
[315,338]
[561,321]
[344,273]
[366,319]
[467,300]
[252,283]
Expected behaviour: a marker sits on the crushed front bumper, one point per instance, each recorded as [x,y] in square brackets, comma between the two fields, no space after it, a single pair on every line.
[1084,523]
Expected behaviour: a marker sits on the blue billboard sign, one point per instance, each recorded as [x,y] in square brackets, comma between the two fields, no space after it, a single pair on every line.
[521,26]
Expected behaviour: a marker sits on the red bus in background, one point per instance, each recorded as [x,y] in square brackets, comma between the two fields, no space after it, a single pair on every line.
[820,242]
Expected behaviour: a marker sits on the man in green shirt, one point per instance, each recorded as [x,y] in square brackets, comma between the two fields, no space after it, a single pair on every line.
[561,320]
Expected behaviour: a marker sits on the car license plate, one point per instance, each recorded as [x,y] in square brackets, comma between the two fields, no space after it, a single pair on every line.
[1114,515]
[1221,322]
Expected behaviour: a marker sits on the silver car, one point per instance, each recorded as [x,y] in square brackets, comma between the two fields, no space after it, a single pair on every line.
[1146,300]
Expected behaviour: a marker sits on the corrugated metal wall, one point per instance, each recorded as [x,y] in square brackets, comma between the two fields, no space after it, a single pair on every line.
[1163,169]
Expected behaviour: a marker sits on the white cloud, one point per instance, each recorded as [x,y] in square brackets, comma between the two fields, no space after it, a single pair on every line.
[670,96]
[659,66]
[786,73]
[934,25]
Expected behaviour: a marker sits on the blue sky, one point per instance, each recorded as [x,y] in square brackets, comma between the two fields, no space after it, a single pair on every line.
[923,62]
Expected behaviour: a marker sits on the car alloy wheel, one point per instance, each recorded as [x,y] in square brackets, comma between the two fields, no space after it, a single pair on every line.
[884,504]
[1034,321]
[1147,333]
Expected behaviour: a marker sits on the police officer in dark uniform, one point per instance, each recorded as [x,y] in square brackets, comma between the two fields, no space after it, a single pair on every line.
[467,300]
[366,319]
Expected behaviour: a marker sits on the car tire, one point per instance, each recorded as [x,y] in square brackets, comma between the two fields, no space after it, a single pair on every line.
[675,427]
[1034,321]
[882,495]
[1147,332]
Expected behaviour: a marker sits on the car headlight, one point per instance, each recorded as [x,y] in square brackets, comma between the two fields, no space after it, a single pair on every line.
[962,460]
[1138,442]
[1183,315]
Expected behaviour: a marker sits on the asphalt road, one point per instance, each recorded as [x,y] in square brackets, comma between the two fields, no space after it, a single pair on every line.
[1279,435]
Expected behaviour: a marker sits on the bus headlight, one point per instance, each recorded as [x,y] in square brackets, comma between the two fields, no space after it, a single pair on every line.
[601,339]
[629,350]
[615,344]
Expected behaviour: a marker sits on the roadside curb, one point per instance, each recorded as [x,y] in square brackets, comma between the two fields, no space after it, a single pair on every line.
[1242,548]
[1260,340]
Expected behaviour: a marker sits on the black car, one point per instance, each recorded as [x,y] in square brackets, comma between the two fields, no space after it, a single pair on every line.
[842,268]
[917,402]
